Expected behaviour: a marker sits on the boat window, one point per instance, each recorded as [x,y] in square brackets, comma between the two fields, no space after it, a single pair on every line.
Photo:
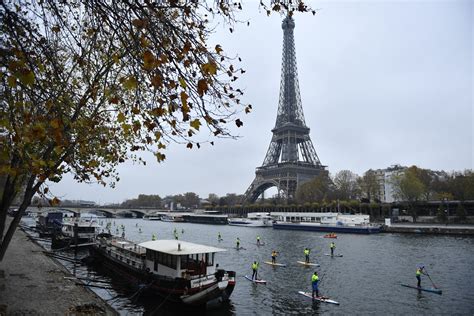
[210,259]
[167,260]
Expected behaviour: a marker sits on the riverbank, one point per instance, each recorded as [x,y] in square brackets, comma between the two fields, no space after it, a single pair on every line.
[435,229]
[33,284]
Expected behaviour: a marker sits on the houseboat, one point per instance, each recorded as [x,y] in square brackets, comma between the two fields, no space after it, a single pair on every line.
[179,271]
[253,220]
[168,217]
[152,217]
[87,229]
[46,224]
[325,222]
[206,217]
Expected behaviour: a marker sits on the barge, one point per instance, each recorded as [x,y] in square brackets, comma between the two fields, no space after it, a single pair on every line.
[178,271]
[325,222]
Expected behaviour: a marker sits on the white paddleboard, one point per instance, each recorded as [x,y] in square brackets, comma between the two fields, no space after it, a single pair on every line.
[323,299]
[336,255]
[308,263]
[259,281]
[275,264]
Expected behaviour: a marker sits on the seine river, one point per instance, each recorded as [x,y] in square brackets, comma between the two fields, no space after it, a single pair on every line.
[366,280]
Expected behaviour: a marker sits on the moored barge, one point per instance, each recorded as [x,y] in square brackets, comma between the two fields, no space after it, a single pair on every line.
[179,271]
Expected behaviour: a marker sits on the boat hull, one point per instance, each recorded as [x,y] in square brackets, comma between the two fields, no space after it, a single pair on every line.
[249,223]
[176,290]
[206,219]
[328,228]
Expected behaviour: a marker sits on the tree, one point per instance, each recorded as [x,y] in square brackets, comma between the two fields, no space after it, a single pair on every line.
[213,199]
[318,189]
[409,188]
[87,84]
[369,185]
[190,200]
[346,185]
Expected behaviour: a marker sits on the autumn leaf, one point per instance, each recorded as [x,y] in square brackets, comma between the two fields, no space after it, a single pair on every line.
[156,81]
[27,77]
[195,124]
[148,60]
[130,83]
[11,81]
[218,49]
[138,23]
[209,68]
[182,82]
[189,145]
[238,122]
[115,58]
[202,87]
[114,100]
[121,117]
[160,157]
[54,202]
[56,123]
[186,48]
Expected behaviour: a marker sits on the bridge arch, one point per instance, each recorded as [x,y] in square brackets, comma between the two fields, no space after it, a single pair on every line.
[261,187]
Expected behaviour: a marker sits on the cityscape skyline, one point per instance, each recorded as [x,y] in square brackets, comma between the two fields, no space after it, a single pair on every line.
[376,91]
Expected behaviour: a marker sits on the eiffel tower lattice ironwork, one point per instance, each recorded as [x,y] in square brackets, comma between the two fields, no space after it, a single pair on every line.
[291,158]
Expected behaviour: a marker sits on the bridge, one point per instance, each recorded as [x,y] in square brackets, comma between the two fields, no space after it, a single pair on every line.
[97,210]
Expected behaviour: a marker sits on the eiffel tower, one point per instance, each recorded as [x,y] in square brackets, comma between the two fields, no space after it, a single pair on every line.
[291,158]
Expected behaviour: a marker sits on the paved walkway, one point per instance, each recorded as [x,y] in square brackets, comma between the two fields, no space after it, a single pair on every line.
[33,284]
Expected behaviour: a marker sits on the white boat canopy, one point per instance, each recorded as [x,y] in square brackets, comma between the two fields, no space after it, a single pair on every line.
[178,247]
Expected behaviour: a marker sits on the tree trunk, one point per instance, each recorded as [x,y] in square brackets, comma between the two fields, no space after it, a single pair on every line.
[7,199]
[29,192]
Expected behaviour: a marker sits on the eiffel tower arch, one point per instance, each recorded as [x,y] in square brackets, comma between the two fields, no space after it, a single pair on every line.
[291,158]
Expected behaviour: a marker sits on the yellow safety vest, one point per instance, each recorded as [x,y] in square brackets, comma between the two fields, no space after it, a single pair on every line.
[254,266]
[418,272]
[306,252]
[314,278]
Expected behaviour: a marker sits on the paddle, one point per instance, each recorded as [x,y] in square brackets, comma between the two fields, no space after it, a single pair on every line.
[434,285]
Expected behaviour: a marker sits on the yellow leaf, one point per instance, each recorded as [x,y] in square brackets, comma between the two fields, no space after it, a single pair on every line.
[55,123]
[27,77]
[182,83]
[202,87]
[219,49]
[157,135]
[130,83]
[184,102]
[121,117]
[195,124]
[116,59]
[209,68]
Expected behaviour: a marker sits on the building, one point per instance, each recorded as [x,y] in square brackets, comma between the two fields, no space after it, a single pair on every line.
[385,180]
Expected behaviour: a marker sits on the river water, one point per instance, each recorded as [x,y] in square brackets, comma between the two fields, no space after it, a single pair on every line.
[366,280]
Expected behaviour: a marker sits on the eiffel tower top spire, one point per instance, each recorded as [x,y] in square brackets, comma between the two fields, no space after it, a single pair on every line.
[290,109]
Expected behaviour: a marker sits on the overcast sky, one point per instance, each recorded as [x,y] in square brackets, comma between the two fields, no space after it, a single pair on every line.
[382,83]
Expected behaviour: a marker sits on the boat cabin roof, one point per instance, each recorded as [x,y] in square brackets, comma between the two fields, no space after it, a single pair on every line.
[185,248]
